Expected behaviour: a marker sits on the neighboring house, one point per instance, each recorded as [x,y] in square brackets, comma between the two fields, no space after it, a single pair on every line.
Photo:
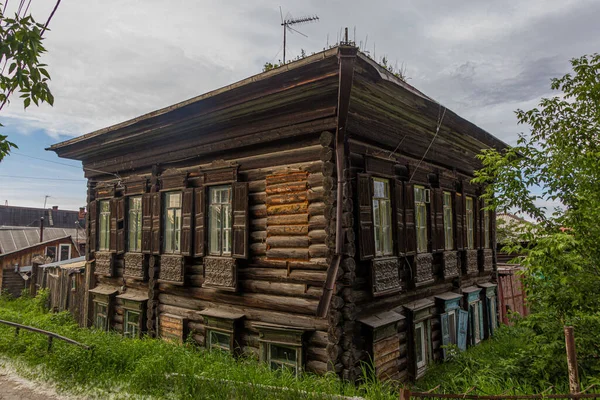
[29,216]
[317,216]
[16,266]
[14,238]
[65,281]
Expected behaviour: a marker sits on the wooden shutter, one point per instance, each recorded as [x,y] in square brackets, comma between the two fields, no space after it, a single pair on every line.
[187,212]
[438,202]
[156,213]
[400,233]
[477,228]
[459,207]
[445,331]
[480,322]
[199,225]
[365,217]
[93,219]
[112,247]
[120,206]
[409,219]
[463,322]
[240,220]
[147,223]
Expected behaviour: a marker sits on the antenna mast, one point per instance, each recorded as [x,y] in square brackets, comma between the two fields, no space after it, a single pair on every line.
[288,22]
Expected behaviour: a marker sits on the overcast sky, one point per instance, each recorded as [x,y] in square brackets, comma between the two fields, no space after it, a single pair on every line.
[115,60]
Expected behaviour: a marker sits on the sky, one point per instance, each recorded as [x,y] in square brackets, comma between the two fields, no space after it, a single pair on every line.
[114,60]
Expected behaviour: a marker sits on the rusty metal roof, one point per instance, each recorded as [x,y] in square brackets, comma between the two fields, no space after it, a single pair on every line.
[16,238]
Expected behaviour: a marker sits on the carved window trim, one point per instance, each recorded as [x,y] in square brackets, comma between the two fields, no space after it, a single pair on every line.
[138,218]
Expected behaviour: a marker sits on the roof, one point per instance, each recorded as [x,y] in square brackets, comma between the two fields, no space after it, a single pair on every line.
[419,304]
[104,290]
[381,319]
[216,313]
[109,149]
[78,262]
[134,295]
[37,244]
[448,296]
[13,238]
[30,216]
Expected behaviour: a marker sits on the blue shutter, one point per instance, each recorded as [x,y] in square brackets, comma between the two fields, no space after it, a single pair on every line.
[445,332]
[481,332]
[463,321]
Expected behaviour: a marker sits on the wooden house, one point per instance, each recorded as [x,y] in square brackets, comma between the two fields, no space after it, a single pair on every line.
[317,215]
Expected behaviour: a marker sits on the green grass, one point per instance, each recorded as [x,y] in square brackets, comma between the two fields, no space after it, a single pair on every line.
[124,367]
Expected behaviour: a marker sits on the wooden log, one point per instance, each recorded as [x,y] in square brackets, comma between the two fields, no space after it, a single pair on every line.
[316,179]
[288,241]
[297,219]
[258,249]
[295,276]
[329,168]
[199,327]
[316,208]
[349,312]
[257,198]
[281,288]
[258,224]
[317,250]
[195,280]
[319,338]
[287,230]
[316,194]
[318,367]
[286,188]
[317,236]
[286,177]
[326,139]
[334,334]
[258,211]
[288,253]
[326,154]
[258,236]
[257,186]
[317,222]
[287,198]
[287,209]
[317,353]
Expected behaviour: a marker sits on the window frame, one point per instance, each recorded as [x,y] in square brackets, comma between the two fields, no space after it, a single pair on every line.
[470,221]
[137,233]
[73,282]
[218,346]
[103,240]
[46,252]
[127,324]
[222,231]
[105,316]
[421,247]
[295,365]
[448,212]
[379,228]
[171,241]
[60,247]
[423,338]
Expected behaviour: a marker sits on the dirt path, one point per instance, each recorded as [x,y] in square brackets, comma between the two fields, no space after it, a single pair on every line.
[13,387]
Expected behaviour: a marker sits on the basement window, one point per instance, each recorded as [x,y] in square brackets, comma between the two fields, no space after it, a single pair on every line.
[101,316]
[218,340]
[283,358]
[132,323]
[281,347]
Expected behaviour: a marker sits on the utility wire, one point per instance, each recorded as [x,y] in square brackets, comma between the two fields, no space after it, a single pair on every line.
[437,130]
[43,159]
[45,179]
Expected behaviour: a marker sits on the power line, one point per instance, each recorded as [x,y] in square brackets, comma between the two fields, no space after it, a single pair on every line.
[45,179]
[43,159]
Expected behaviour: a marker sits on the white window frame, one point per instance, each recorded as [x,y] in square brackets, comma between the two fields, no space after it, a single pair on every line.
[73,282]
[470,221]
[383,235]
[423,338]
[104,225]
[134,224]
[60,247]
[448,221]
[421,219]
[127,326]
[221,234]
[96,304]
[172,234]
[453,331]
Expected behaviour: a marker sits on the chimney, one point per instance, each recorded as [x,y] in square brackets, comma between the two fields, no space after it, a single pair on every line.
[54,208]
[41,229]
[81,213]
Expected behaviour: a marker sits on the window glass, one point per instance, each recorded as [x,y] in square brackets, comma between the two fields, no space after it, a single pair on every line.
[470,223]
[134,224]
[421,219]
[486,227]
[420,354]
[172,216]
[73,282]
[219,340]
[65,252]
[382,217]
[51,252]
[132,323]
[448,222]
[101,316]
[219,220]
[283,357]
[104,225]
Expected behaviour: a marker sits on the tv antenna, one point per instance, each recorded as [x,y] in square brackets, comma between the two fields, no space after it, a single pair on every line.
[288,22]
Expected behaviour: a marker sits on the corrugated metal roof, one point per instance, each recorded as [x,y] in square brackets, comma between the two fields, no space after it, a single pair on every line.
[17,238]
[77,263]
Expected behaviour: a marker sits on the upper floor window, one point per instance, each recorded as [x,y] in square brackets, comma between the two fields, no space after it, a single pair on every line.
[470,222]
[134,224]
[486,227]
[448,222]
[219,220]
[172,218]
[421,219]
[51,252]
[65,252]
[104,225]
[382,217]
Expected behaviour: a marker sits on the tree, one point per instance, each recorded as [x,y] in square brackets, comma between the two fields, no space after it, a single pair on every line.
[21,46]
[558,161]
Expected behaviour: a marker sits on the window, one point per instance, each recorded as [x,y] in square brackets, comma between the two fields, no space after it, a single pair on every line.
[476,317]
[421,344]
[51,252]
[448,222]
[132,323]
[283,357]
[134,224]
[104,226]
[470,223]
[172,215]
[65,252]
[219,220]
[486,227]
[452,328]
[218,340]
[382,217]
[73,282]
[421,219]
[101,316]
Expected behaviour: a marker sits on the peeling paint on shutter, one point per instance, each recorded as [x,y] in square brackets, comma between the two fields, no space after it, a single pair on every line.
[187,208]
[409,219]
[199,222]
[438,201]
[156,228]
[93,219]
[477,220]
[147,223]
[120,224]
[445,331]
[463,322]
[365,217]
[113,226]
[460,235]
[240,220]
[400,232]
